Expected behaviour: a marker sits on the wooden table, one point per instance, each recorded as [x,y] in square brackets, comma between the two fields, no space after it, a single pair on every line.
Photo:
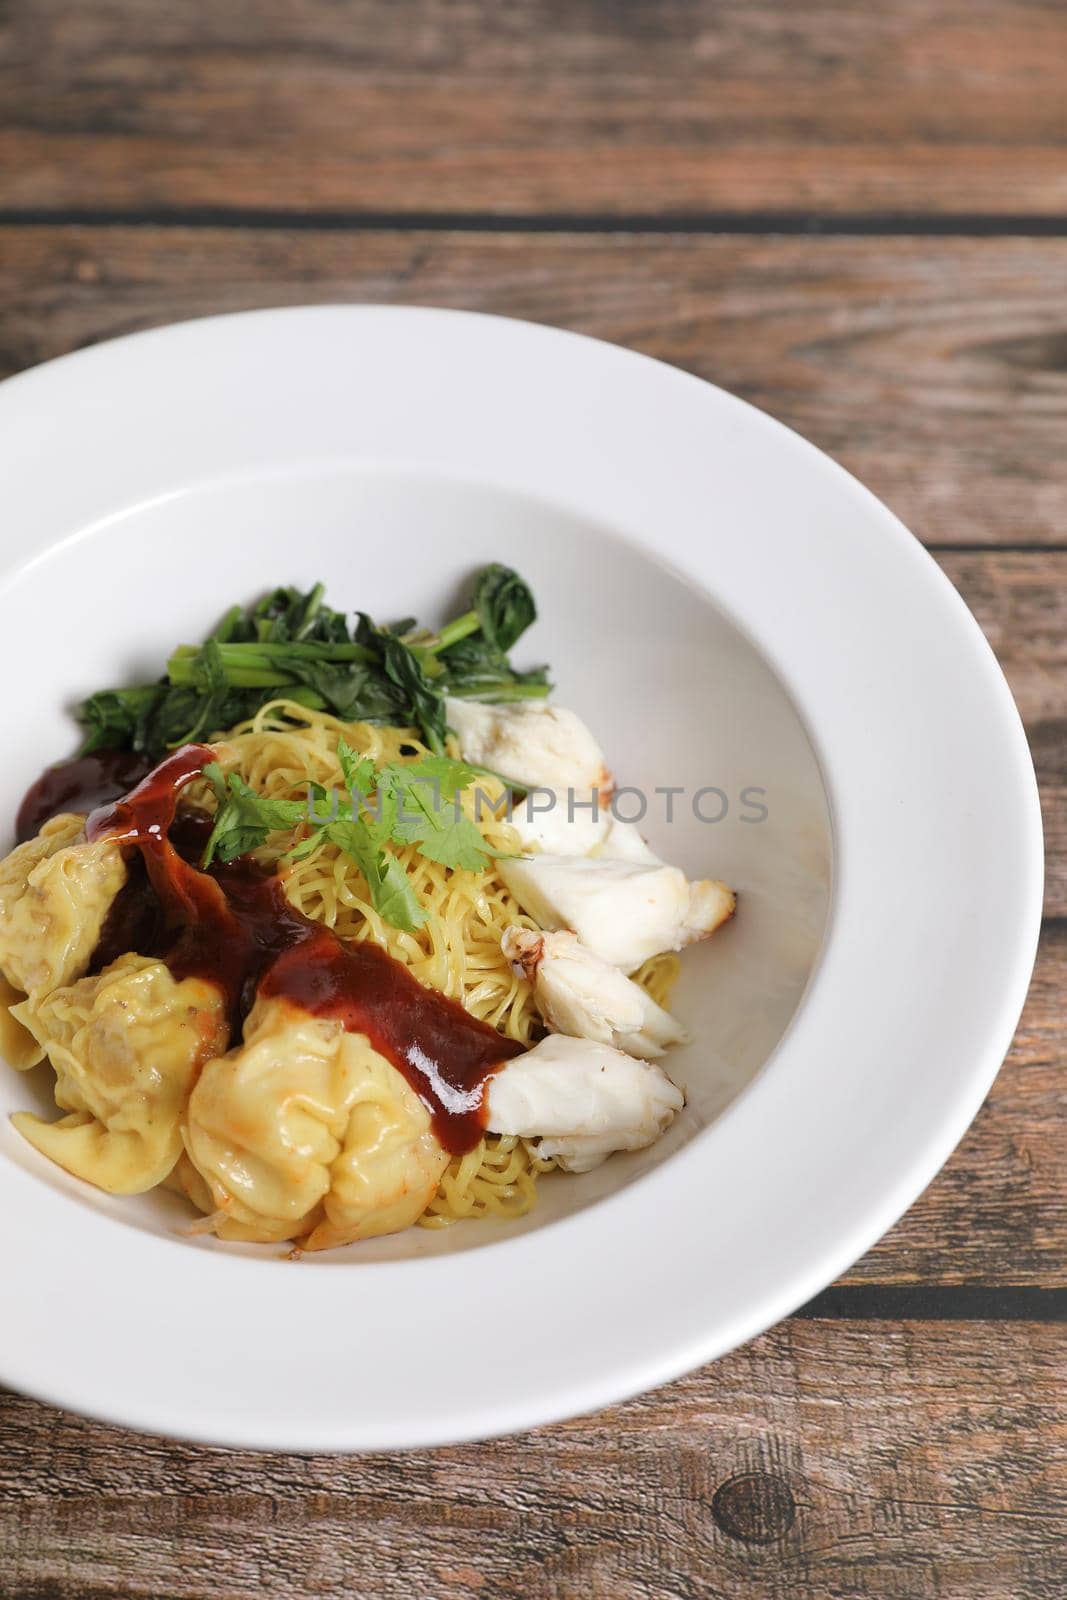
[855,216]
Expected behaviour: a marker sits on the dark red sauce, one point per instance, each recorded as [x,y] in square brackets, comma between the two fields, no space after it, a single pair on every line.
[79,785]
[234,927]
[446,1055]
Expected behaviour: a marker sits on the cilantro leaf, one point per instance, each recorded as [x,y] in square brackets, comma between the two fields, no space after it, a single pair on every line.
[395,899]
[244,818]
[447,776]
[358,771]
[458,845]
[390,888]
[426,813]
[400,803]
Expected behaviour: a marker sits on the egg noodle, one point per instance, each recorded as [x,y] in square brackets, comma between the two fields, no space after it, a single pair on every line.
[279,752]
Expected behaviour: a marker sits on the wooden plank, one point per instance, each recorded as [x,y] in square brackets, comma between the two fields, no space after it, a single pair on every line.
[824,1461]
[644,107]
[936,374]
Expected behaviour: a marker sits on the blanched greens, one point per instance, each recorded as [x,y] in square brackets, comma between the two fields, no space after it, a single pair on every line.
[293,645]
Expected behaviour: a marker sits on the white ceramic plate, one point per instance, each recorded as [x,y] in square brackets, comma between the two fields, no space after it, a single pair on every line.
[728,609]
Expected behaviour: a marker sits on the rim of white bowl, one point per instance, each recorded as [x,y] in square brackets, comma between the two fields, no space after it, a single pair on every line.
[936,817]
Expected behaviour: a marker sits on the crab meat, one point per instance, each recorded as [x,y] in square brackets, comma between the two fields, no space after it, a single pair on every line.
[625,842]
[559,825]
[545,821]
[534,745]
[581,1101]
[580,994]
[624,911]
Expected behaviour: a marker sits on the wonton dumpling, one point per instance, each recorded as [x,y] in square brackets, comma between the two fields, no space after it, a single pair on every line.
[306,1132]
[184,1179]
[126,1046]
[390,1162]
[55,891]
[18,1047]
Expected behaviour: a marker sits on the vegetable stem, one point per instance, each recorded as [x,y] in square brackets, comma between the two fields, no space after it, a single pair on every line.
[452,632]
[246,664]
[225,628]
[500,693]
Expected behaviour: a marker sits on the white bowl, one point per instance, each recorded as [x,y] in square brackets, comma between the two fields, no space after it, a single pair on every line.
[730,611]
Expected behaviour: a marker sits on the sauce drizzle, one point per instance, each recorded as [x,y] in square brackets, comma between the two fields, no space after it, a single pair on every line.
[79,785]
[233,926]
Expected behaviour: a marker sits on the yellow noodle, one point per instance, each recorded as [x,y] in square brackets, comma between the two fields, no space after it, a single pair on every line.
[658,976]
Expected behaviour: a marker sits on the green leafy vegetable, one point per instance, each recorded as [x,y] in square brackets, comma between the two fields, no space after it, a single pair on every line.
[504,605]
[292,644]
[474,669]
[116,718]
[404,668]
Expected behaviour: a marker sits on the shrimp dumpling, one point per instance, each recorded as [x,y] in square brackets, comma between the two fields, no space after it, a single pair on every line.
[306,1132]
[390,1162]
[126,1046]
[55,891]
[18,1047]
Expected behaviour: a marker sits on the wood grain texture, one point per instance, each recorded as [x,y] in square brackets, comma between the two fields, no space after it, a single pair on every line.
[827,1460]
[891,1462]
[648,106]
[935,370]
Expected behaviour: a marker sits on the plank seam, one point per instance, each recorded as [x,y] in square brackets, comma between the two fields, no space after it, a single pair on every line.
[998,547]
[927,1302]
[846,224]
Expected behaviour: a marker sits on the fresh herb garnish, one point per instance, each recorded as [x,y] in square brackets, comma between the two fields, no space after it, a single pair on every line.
[293,645]
[397,804]
[244,818]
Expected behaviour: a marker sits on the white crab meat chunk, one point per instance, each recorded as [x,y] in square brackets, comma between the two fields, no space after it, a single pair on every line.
[549,821]
[536,746]
[581,1101]
[579,993]
[625,842]
[558,824]
[624,911]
